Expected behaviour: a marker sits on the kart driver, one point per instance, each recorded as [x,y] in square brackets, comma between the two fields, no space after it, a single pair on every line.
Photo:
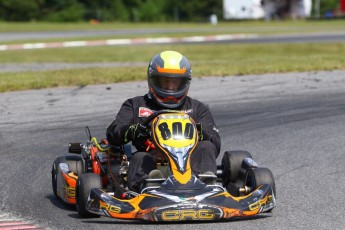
[169,75]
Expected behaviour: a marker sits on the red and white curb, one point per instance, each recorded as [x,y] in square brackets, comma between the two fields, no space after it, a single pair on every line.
[9,223]
[114,42]
[12,225]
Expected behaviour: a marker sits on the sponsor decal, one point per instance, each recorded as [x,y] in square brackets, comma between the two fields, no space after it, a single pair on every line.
[144,112]
[179,213]
[69,191]
[110,208]
[187,111]
[265,204]
[215,129]
[189,214]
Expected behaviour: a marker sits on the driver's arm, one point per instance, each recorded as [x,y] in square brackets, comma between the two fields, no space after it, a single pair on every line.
[116,131]
[204,117]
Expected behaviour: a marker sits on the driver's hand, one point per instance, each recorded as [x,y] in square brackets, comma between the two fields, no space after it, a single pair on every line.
[138,134]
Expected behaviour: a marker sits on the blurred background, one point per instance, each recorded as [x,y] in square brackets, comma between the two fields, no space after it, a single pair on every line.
[166,11]
[51,43]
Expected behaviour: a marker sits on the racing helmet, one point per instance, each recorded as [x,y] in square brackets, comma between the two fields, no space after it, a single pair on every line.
[169,74]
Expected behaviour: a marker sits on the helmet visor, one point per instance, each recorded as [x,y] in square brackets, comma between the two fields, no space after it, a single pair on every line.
[171,84]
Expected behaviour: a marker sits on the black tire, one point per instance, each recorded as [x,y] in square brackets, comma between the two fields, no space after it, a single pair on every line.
[75,164]
[259,176]
[85,183]
[231,164]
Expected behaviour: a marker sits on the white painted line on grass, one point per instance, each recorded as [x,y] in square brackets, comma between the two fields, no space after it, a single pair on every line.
[111,42]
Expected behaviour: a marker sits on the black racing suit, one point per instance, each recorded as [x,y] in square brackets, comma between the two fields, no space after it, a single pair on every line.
[136,109]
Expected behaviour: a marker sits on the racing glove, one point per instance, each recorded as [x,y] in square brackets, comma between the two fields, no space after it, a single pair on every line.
[201,132]
[137,133]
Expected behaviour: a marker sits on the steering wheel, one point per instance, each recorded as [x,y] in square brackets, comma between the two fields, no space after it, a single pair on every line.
[156,114]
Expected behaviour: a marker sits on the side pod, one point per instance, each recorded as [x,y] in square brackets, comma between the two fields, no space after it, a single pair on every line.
[66,183]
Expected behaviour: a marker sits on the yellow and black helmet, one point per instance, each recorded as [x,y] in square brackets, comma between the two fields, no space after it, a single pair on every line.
[169,74]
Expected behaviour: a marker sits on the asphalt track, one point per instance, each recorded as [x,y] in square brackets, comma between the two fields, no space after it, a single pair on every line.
[291,123]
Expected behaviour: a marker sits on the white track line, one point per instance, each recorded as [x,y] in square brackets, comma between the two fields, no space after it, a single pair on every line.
[112,42]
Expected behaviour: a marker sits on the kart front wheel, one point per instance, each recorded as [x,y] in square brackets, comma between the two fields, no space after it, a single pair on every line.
[231,164]
[75,164]
[85,183]
[259,176]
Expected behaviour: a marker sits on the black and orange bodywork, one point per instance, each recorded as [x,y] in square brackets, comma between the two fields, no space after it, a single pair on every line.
[173,202]
[66,183]
[182,196]
[67,180]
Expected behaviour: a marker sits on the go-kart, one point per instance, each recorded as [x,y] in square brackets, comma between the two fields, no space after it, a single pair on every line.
[96,181]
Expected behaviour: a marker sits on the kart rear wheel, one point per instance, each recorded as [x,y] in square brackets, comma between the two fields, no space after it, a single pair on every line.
[85,183]
[260,176]
[231,164]
[75,165]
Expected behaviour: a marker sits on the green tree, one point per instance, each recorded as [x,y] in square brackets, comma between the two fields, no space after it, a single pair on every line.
[152,11]
[21,10]
[325,6]
[328,6]
[106,10]
[64,10]
[196,10]
[122,10]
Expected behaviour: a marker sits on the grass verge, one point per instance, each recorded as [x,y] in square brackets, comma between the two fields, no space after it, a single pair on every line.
[206,60]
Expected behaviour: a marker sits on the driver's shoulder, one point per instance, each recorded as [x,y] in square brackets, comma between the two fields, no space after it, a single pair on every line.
[136,100]
[195,103]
